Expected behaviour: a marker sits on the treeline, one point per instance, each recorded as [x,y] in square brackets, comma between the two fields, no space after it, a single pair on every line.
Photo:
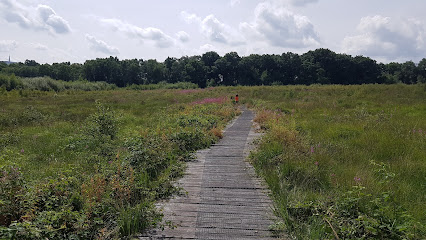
[321,66]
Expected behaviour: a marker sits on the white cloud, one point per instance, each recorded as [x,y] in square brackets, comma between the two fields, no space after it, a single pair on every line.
[182,36]
[7,45]
[301,3]
[38,46]
[160,39]
[280,27]
[41,17]
[100,46]
[190,17]
[206,48]
[51,19]
[234,2]
[388,38]
[213,29]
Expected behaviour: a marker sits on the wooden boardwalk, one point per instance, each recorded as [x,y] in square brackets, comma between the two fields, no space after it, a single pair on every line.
[224,198]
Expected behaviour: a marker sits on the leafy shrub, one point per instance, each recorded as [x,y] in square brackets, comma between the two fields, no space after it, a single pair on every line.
[206,122]
[27,116]
[32,115]
[49,84]
[164,85]
[102,123]
[150,154]
[191,140]
[12,194]
[10,82]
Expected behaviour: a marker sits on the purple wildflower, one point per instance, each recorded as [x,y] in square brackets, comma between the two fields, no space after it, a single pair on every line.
[357,179]
[22,150]
[316,163]
[312,149]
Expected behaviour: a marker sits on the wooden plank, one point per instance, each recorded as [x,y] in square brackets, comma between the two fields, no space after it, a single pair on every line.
[223,199]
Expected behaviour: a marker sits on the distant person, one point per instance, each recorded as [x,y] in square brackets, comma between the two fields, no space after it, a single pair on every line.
[236,98]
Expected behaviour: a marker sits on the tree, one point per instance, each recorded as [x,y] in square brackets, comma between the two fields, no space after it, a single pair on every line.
[290,68]
[408,72]
[31,63]
[249,68]
[155,71]
[209,59]
[227,66]
[195,71]
[132,71]
[421,71]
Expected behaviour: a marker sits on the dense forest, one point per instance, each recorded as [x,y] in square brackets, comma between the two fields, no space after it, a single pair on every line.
[321,66]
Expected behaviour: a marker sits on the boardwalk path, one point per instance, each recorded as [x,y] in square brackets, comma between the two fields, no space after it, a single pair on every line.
[224,200]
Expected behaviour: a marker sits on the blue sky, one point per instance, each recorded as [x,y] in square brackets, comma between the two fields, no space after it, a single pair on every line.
[56,31]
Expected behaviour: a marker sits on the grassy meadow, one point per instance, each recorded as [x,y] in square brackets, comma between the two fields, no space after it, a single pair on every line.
[90,165]
[342,162]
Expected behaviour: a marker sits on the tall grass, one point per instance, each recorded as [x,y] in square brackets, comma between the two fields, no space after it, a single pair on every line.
[331,149]
[164,85]
[48,84]
[76,168]
[338,159]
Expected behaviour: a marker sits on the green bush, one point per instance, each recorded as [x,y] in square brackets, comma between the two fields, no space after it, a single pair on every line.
[12,194]
[191,140]
[163,85]
[150,154]
[102,123]
[10,82]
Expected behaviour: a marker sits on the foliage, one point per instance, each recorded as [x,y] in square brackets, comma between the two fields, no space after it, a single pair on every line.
[9,82]
[320,66]
[343,162]
[164,85]
[12,194]
[103,123]
[88,172]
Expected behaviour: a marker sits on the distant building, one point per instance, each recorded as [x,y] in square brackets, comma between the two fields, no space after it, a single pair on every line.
[8,62]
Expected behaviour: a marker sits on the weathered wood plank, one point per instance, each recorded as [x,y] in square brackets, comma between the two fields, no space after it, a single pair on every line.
[222,198]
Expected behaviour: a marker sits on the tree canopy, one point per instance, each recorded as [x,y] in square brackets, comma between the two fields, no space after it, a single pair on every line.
[320,66]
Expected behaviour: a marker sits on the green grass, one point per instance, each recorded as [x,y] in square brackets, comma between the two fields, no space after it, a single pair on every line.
[91,166]
[319,143]
[323,137]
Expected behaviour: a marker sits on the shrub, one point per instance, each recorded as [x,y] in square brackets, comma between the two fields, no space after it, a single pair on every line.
[12,195]
[102,123]
[10,82]
[150,154]
[191,140]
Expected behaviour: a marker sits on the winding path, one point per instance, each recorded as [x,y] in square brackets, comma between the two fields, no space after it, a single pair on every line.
[224,198]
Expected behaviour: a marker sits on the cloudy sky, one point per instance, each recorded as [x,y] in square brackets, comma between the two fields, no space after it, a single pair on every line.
[56,31]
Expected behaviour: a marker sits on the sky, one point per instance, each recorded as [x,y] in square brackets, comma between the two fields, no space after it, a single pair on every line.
[49,31]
